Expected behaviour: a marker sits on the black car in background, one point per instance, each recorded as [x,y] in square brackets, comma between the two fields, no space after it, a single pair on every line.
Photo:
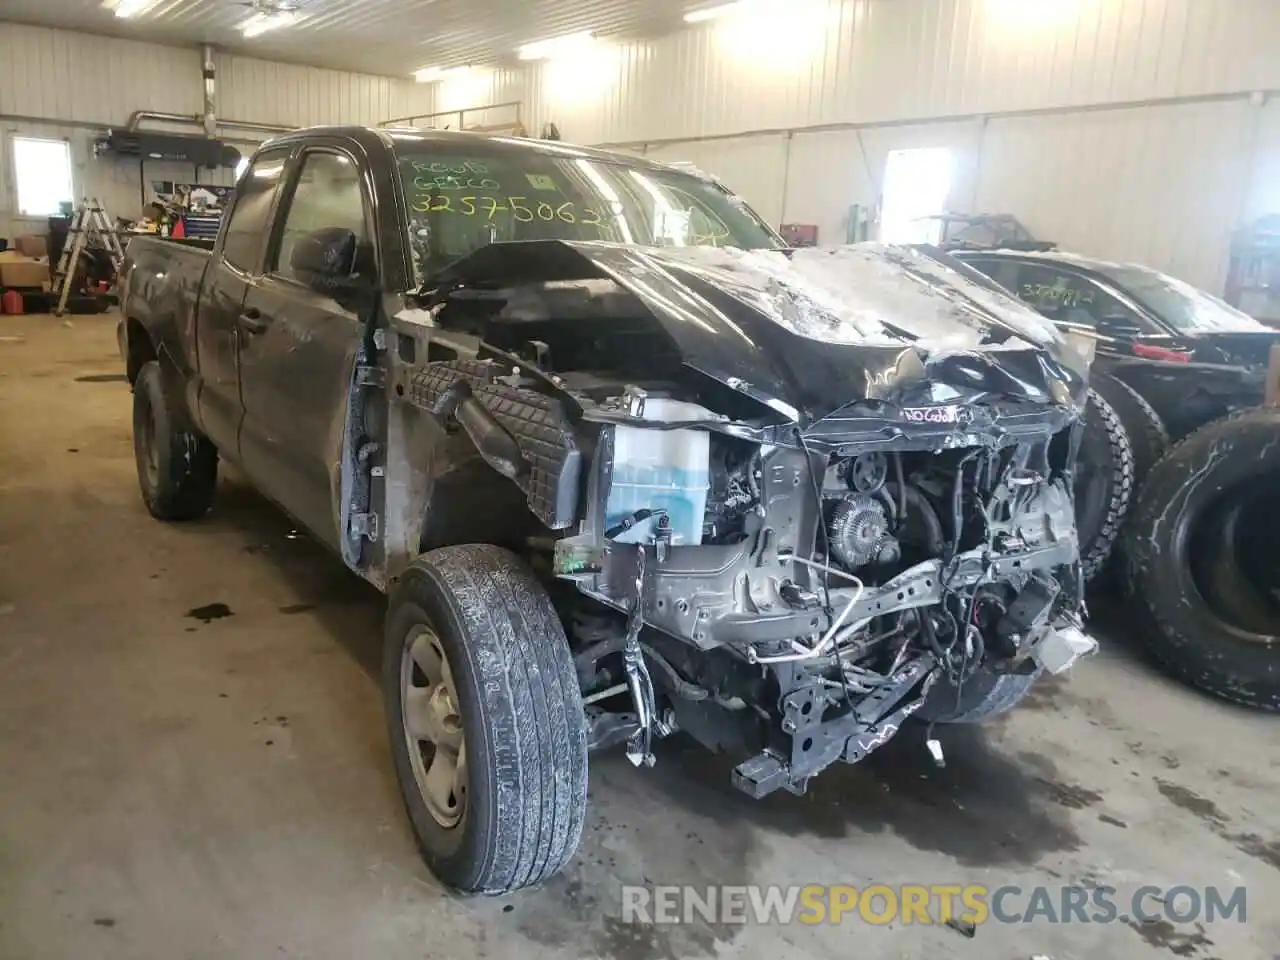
[1198,521]
[1188,354]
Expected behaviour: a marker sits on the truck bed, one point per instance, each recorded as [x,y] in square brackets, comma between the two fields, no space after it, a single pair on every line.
[160,276]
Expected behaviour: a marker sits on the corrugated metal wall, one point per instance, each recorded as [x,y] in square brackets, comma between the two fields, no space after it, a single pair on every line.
[799,114]
[1177,178]
[822,62]
[64,85]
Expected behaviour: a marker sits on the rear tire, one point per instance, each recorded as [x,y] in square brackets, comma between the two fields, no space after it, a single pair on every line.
[520,711]
[177,466]
[1211,495]
[1104,483]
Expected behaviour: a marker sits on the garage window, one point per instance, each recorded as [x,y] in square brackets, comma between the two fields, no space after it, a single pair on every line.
[42,175]
[916,184]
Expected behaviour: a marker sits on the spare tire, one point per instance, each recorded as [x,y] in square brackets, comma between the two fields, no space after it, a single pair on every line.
[1148,437]
[1103,484]
[1202,567]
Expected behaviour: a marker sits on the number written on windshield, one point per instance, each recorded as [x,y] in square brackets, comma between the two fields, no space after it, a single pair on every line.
[522,209]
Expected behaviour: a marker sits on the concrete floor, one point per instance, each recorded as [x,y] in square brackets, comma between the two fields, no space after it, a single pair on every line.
[177,784]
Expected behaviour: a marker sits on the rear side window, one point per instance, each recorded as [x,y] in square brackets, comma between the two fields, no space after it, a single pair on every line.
[327,195]
[248,221]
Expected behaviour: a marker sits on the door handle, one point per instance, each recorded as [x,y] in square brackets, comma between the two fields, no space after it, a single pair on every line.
[252,321]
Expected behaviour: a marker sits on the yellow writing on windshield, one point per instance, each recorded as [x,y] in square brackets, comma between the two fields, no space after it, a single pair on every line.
[522,209]
[1047,296]
[463,168]
[450,181]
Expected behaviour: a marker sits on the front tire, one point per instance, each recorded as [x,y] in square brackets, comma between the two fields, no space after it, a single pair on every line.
[177,467]
[510,726]
[1103,485]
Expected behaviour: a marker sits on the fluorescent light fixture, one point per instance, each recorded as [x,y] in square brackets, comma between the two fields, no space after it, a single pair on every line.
[260,23]
[127,8]
[441,74]
[556,46]
[723,10]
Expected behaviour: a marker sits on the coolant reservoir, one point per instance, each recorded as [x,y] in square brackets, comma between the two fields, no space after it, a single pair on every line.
[661,470]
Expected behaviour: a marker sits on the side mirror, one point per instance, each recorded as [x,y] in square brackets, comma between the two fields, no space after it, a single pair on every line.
[325,259]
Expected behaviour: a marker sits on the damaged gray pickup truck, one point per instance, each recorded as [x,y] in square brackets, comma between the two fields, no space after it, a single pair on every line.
[623,464]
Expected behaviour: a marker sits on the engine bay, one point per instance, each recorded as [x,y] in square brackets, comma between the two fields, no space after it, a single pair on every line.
[786,567]
[826,596]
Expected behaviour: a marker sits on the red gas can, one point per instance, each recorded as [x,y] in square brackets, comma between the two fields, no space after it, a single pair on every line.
[11,302]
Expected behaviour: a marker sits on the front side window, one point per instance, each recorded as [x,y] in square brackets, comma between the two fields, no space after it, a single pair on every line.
[248,220]
[1070,299]
[41,175]
[327,196]
[459,201]
[1183,307]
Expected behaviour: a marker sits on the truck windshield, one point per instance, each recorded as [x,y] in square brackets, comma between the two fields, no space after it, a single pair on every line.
[461,199]
[1186,308]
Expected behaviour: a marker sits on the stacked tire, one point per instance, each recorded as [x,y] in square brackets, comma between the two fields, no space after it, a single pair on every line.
[1202,552]
[1191,534]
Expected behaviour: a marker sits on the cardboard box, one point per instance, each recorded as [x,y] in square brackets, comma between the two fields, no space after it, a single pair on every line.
[23,273]
[32,246]
[9,256]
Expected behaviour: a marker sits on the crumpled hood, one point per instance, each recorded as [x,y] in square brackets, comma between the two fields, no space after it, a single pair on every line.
[812,330]
[868,293]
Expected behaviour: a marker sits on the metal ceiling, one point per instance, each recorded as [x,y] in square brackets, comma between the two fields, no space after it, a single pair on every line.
[391,37]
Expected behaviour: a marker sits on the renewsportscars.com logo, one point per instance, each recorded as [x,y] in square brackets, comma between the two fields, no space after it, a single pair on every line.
[974,904]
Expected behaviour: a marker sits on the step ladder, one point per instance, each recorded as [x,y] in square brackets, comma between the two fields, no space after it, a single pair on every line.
[90,226]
